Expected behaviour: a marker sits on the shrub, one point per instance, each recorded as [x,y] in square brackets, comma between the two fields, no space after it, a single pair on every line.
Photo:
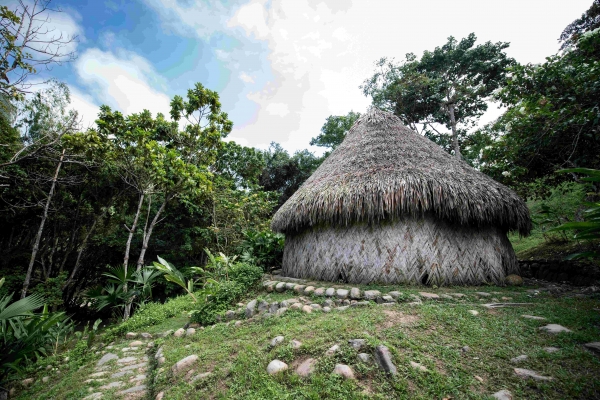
[264,249]
[241,277]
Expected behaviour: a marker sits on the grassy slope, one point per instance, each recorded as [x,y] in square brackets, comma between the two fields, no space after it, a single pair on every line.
[431,334]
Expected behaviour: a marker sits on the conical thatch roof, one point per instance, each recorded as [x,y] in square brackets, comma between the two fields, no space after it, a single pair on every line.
[385,170]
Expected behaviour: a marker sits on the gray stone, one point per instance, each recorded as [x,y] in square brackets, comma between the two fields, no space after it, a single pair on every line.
[111,385]
[134,389]
[160,396]
[273,307]
[268,283]
[293,300]
[534,317]
[483,294]
[595,346]
[326,309]
[447,297]
[429,296]
[465,349]
[184,364]
[306,309]
[146,335]
[518,359]
[395,294]
[250,309]
[296,306]
[371,294]
[309,290]
[93,396]
[551,349]
[320,291]
[357,344]
[342,293]
[131,335]
[290,286]
[190,331]
[276,366]
[281,311]
[106,358]
[503,395]
[332,350]
[342,308]
[138,378]
[306,368]
[316,306]
[388,299]
[285,303]
[120,374]
[459,295]
[355,293]
[360,304]
[179,332]
[262,306]
[346,302]
[384,360]
[200,376]
[418,366]
[27,382]
[328,303]
[364,357]
[276,340]
[230,315]
[296,344]
[127,360]
[98,374]
[136,343]
[344,371]
[135,366]
[299,289]
[554,328]
[527,373]
[330,292]
[280,287]
[473,312]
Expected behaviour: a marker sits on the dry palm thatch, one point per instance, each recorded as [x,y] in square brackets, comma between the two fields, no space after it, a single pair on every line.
[388,205]
[385,171]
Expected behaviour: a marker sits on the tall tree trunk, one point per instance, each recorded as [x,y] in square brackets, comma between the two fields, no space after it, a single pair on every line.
[128,247]
[148,234]
[454,132]
[81,250]
[38,237]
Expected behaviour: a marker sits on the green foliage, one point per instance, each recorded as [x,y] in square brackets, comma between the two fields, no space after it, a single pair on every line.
[589,21]
[285,174]
[334,130]
[151,314]
[172,274]
[242,276]
[264,248]
[25,336]
[589,228]
[552,118]
[452,82]
[51,290]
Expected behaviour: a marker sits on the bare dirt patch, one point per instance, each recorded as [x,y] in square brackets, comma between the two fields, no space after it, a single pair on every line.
[394,318]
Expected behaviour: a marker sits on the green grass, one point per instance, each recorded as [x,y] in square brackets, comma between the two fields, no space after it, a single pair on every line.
[431,334]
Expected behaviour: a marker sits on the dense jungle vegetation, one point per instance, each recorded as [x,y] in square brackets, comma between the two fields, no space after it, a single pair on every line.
[100,223]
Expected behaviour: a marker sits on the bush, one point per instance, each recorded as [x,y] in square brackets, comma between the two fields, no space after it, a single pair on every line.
[241,277]
[153,314]
[264,249]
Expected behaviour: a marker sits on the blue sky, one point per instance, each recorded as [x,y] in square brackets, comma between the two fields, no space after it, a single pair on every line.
[280,66]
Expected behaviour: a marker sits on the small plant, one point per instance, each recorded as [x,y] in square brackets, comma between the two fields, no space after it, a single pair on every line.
[264,248]
[172,274]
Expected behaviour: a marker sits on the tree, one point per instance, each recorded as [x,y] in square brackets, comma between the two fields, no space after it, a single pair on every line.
[285,174]
[448,86]
[334,130]
[552,117]
[588,21]
[26,44]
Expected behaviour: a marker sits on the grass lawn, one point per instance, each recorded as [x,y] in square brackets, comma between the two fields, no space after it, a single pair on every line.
[431,334]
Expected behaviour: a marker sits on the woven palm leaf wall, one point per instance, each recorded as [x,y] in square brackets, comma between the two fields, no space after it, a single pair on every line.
[412,250]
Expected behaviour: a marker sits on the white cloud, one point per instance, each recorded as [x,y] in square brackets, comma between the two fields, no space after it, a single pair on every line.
[279,109]
[246,78]
[320,52]
[251,17]
[125,81]
[85,106]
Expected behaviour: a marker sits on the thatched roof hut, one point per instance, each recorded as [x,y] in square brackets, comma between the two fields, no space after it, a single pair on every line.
[388,205]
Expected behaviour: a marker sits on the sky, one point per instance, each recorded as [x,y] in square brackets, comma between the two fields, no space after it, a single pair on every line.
[281,67]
